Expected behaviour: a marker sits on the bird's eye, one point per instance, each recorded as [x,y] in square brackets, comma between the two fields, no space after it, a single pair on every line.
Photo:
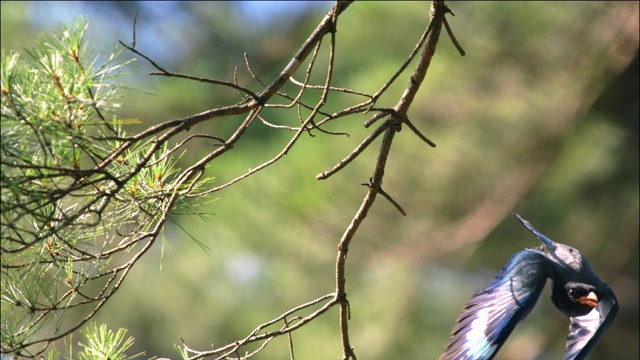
[576,292]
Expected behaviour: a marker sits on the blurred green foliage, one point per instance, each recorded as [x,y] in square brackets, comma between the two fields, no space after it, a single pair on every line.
[540,117]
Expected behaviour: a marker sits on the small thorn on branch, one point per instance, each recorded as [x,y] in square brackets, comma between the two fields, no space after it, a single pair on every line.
[357,151]
[452,37]
[417,132]
[388,197]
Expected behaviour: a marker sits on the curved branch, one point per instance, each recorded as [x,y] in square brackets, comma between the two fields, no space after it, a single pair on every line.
[438,9]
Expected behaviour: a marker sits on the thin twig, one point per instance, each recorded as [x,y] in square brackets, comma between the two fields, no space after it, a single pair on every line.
[332,88]
[254,336]
[379,115]
[135,21]
[133,50]
[438,10]
[181,143]
[187,173]
[343,246]
[269,124]
[431,36]
[452,37]
[417,132]
[290,337]
[391,200]
[207,81]
[253,75]
[363,145]
[406,63]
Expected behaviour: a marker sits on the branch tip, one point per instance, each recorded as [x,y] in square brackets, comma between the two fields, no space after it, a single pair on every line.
[452,37]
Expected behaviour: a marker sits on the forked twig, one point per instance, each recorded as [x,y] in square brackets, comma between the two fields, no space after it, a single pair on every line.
[438,9]
[357,151]
[151,147]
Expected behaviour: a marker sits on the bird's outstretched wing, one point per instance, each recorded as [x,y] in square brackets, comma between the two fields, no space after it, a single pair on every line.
[490,316]
[585,330]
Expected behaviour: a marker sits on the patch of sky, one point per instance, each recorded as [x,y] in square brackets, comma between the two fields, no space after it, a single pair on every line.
[263,13]
[158,21]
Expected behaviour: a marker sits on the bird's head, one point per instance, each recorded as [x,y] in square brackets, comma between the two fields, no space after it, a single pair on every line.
[575,299]
[571,292]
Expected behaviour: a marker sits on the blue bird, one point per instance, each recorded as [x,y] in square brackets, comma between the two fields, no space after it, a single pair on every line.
[490,316]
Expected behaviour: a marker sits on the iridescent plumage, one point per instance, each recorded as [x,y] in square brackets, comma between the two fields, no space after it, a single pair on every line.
[490,316]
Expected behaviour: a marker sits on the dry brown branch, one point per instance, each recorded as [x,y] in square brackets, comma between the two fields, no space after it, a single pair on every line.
[112,185]
[363,145]
[225,351]
[397,116]
[452,37]
[438,10]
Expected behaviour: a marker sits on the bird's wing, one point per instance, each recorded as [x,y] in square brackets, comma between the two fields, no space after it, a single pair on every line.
[585,330]
[491,314]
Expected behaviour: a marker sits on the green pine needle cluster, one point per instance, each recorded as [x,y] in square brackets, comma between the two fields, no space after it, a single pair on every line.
[81,199]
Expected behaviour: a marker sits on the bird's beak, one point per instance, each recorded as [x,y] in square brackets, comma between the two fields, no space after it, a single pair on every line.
[547,243]
[591,299]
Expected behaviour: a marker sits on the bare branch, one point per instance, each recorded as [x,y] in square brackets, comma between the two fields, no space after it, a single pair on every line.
[433,32]
[128,183]
[452,37]
[208,81]
[363,145]
[417,132]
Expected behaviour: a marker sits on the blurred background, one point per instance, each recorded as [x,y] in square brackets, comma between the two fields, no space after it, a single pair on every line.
[540,117]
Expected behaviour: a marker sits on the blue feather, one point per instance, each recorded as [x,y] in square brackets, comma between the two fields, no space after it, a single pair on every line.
[489,317]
